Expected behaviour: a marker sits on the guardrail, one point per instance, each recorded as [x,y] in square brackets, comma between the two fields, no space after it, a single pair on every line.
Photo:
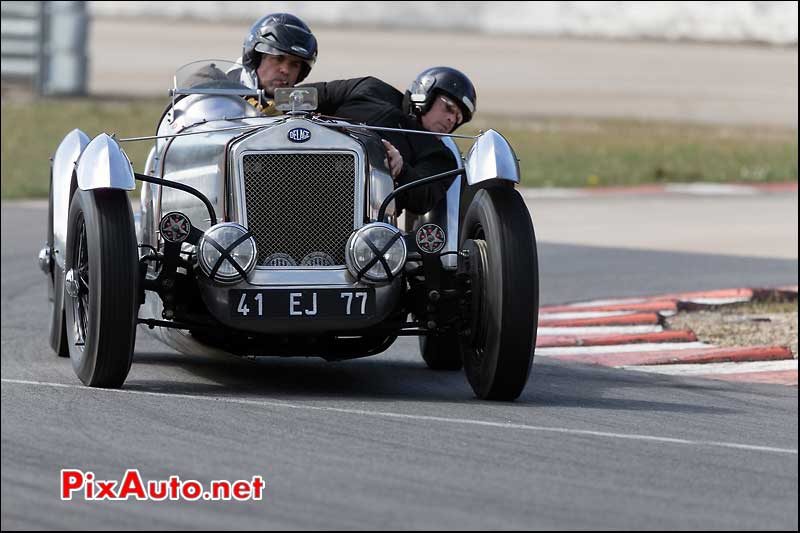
[44,46]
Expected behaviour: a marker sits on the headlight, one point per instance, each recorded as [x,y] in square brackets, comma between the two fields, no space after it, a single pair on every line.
[239,245]
[359,254]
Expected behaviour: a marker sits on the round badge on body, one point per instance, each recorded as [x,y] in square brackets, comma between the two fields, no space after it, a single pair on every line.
[431,238]
[175,227]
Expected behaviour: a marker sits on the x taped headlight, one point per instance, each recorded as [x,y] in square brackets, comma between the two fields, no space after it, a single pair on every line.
[376,252]
[227,252]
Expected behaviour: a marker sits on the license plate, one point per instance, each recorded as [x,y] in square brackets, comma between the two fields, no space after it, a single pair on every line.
[301,303]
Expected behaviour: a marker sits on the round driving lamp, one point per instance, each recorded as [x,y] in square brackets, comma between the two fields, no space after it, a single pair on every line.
[223,248]
[375,252]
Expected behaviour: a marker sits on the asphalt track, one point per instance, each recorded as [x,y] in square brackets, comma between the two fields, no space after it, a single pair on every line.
[384,443]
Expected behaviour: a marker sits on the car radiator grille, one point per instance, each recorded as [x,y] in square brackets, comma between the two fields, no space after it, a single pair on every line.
[299,204]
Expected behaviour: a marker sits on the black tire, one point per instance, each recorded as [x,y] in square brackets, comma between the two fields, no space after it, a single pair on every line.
[101,322]
[442,352]
[498,352]
[55,290]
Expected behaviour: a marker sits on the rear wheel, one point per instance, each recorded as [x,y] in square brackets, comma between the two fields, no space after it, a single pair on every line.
[101,304]
[498,349]
[442,352]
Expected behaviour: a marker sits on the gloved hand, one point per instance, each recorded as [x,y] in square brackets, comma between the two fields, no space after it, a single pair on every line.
[267,107]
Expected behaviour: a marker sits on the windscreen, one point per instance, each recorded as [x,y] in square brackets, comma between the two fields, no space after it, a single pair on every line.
[211,74]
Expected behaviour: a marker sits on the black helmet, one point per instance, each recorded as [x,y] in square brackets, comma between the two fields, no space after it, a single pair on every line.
[453,83]
[280,34]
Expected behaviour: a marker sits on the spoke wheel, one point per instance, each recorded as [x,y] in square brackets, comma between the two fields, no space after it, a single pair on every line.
[101,306]
[80,303]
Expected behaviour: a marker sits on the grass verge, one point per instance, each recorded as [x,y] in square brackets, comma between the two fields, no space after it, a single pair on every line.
[31,132]
[770,323]
[579,153]
[553,152]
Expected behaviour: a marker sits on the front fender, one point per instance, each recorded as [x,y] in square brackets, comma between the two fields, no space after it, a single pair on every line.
[491,158]
[104,165]
[67,154]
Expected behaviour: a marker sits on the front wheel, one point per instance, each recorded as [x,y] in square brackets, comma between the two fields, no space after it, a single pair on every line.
[498,344]
[100,285]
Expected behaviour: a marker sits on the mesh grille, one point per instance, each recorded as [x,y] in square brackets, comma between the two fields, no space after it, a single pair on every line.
[300,203]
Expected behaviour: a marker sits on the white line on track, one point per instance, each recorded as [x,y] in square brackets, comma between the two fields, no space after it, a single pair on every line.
[622,348]
[718,368]
[599,330]
[403,416]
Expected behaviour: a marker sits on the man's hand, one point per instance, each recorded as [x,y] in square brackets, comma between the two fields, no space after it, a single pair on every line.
[395,160]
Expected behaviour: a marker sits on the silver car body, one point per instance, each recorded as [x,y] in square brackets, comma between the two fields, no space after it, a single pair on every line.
[203,161]
[204,141]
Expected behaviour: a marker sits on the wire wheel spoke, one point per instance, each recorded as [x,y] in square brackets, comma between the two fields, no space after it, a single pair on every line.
[83,279]
[81,303]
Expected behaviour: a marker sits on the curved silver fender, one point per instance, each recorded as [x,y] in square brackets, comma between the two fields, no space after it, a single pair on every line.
[491,157]
[104,165]
[67,154]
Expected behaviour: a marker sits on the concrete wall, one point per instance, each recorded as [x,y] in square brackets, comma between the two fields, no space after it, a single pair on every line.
[765,22]
[44,46]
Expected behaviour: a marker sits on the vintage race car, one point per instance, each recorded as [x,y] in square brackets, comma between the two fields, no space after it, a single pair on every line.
[278,236]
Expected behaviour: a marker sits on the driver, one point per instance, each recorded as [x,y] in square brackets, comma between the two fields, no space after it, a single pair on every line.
[279,51]
[440,99]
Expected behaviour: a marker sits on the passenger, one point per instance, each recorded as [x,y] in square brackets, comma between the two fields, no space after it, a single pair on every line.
[440,99]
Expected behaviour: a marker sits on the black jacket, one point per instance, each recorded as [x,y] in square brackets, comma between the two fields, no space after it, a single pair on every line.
[376,103]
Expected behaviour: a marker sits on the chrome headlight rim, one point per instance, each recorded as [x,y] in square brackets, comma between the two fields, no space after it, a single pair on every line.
[356,270]
[241,272]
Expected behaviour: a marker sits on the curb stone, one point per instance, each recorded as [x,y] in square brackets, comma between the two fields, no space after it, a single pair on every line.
[681,349]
